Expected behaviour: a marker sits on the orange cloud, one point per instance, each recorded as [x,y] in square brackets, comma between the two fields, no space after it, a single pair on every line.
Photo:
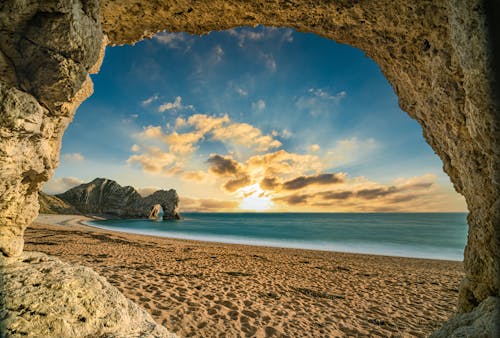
[224,166]
[237,183]
[206,204]
[320,179]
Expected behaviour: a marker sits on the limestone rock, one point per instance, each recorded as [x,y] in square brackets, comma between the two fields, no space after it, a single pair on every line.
[482,322]
[54,205]
[168,200]
[106,197]
[46,50]
[44,297]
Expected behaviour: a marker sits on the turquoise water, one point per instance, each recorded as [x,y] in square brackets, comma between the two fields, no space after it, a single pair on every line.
[423,235]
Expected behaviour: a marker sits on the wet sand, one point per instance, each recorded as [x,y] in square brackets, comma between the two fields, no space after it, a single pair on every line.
[222,290]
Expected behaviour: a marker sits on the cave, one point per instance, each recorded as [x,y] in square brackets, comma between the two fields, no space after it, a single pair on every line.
[438,56]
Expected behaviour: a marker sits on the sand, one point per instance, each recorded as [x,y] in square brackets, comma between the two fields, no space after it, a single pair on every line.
[221,290]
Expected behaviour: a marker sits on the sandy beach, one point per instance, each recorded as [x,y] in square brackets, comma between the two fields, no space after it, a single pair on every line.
[221,290]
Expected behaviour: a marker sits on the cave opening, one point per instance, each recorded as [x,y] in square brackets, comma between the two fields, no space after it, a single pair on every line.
[252,192]
[437,57]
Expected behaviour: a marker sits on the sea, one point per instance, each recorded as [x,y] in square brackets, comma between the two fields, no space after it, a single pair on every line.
[421,235]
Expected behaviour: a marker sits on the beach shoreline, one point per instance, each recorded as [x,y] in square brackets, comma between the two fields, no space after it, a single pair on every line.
[207,288]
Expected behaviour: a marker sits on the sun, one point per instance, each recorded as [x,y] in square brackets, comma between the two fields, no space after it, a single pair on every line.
[255,199]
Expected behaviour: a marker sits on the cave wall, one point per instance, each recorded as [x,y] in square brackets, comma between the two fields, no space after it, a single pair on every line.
[435,54]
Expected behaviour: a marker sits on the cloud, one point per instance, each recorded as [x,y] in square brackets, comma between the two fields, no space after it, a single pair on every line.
[224,166]
[146,191]
[74,157]
[350,150]
[214,128]
[323,94]
[174,40]
[241,91]
[177,104]
[284,163]
[336,195]
[149,100]
[376,193]
[269,61]
[60,185]
[183,144]
[259,105]
[314,148]
[270,183]
[292,199]
[196,176]
[286,134]
[207,123]
[278,35]
[170,151]
[218,54]
[318,101]
[135,148]
[320,179]
[243,34]
[155,161]
[237,183]
[206,204]
[407,194]
[246,135]
[151,132]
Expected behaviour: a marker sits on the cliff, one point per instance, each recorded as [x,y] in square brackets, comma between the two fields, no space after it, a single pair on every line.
[54,205]
[106,197]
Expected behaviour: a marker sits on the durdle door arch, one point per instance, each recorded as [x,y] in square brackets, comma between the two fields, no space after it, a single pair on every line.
[435,54]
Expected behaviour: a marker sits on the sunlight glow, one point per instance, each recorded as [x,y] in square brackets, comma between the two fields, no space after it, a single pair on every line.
[255,199]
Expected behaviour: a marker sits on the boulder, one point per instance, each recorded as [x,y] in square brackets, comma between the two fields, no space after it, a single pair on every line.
[482,322]
[42,296]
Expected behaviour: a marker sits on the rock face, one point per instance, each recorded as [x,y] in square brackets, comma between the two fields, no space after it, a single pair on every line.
[106,197]
[438,56]
[483,321]
[47,50]
[168,200]
[54,205]
[44,297]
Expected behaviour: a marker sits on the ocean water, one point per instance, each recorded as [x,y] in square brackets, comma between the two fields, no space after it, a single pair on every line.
[422,235]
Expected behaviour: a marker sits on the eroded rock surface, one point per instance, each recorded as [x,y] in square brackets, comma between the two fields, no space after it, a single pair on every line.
[44,297]
[53,205]
[483,321]
[47,49]
[106,197]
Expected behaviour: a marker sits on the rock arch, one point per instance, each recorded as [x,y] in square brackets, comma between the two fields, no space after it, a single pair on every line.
[436,55]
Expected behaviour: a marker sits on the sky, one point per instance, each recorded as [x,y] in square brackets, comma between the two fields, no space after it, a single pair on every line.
[253,119]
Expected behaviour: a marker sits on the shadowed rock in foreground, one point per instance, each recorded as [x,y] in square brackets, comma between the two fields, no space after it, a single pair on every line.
[106,197]
[44,297]
[483,321]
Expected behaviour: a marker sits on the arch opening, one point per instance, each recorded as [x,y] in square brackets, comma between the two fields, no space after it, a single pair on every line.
[156,212]
[251,190]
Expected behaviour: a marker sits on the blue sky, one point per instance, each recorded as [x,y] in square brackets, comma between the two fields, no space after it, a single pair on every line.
[253,119]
